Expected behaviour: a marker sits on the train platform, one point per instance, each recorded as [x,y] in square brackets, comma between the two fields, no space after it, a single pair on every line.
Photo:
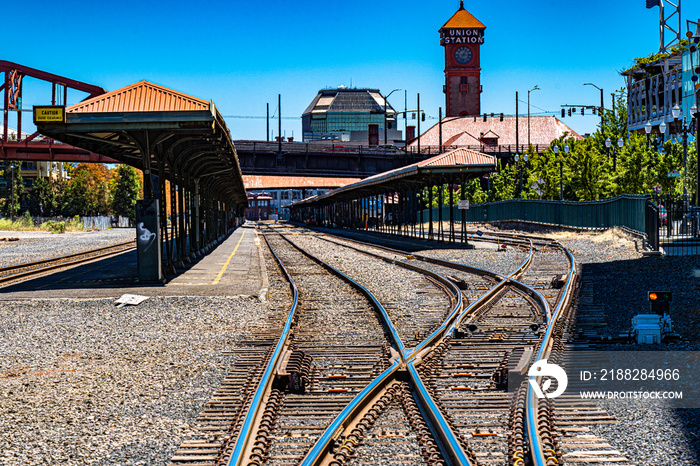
[235,267]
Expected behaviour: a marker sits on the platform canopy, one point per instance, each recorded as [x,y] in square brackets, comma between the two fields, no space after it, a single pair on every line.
[457,165]
[163,132]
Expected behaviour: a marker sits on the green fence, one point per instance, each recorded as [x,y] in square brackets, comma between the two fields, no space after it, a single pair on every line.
[627,210]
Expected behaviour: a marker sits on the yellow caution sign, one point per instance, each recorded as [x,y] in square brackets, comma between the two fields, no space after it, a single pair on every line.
[49,114]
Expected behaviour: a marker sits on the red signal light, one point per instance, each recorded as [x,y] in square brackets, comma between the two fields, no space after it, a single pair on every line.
[653,297]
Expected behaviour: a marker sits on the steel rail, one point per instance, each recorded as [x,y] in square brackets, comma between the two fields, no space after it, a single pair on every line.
[537,453]
[436,419]
[320,448]
[441,429]
[443,433]
[243,438]
[550,318]
[446,435]
[323,443]
[384,316]
[503,281]
[56,262]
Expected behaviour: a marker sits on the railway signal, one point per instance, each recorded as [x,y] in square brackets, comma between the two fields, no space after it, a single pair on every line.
[659,301]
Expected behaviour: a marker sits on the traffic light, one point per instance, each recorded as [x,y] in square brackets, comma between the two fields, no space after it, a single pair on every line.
[582,111]
[422,117]
[593,110]
[484,117]
[563,113]
[659,301]
[501,117]
[569,111]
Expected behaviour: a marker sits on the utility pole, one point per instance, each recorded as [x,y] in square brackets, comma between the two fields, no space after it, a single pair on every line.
[440,118]
[405,120]
[267,133]
[418,117]
[279,119]
[612,104]
[517,131]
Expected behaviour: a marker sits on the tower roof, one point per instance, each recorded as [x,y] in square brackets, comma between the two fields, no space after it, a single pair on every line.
[346,100]
[463,20]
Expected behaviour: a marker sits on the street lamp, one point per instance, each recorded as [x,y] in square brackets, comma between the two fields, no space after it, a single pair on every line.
[602,106]
[385,99]
[520,167]
[662,128]
[647,130]
[561,173]
[561,170]
[684,128]
[620,144]
[536,88]
[696,115]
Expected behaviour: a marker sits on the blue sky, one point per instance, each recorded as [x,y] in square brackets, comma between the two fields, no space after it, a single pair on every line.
[242,54]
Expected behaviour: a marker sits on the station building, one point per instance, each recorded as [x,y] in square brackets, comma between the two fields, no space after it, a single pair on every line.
[655,87]
[350,115]
[259,207]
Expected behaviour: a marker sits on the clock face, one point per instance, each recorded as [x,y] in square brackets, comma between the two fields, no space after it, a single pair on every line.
[463,55]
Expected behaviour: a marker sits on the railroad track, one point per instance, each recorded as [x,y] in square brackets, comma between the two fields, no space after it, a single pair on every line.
[430,391]
[14,273]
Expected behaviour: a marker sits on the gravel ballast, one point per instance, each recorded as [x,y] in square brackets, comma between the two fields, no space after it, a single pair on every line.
[38,245]
[617,276]
[85,382]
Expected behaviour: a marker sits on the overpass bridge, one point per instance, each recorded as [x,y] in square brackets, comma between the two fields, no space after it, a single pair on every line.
[18,145]
[344,159]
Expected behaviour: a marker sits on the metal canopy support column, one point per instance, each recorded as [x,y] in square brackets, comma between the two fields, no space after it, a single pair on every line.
[196,219]
[430,210]
[441,199]
[463,196]
[421,205]
[452,220]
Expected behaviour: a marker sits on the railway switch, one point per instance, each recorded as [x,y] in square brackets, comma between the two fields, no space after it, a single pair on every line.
[558,281]
[292,372]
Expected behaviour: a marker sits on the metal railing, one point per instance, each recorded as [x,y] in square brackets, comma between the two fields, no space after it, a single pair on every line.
[635,213]
[677,225]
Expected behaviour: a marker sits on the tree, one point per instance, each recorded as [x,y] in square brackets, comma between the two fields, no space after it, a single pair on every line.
[125,192]
[87,192]
[43,200]
[9,201]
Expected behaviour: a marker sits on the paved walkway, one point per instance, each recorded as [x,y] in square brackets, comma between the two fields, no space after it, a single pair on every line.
[236,267]
[233,268]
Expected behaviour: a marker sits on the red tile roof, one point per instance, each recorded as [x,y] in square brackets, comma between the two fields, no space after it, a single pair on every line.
[142,96]
[463,19]
[458,157]
[468,131]
[458,161]
[291,182]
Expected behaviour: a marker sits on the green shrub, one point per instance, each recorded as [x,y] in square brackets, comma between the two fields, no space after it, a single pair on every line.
[54,226]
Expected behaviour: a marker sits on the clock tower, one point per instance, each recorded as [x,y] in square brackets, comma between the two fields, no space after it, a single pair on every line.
[462,37]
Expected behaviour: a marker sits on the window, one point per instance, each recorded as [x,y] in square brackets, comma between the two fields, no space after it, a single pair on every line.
[463,85]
